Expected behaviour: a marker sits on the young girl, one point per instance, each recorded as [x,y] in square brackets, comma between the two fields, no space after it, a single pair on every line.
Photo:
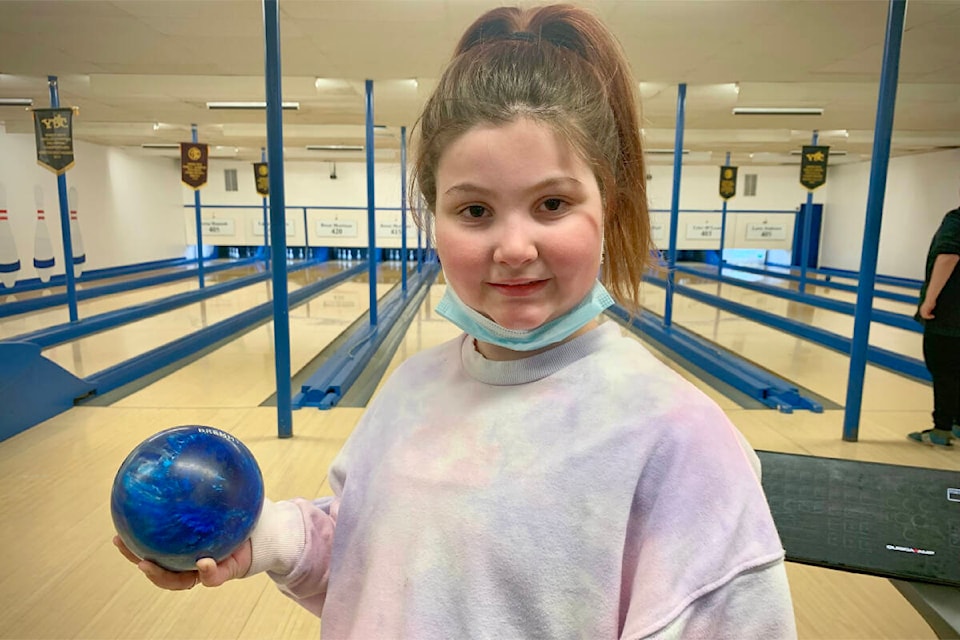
[541,475]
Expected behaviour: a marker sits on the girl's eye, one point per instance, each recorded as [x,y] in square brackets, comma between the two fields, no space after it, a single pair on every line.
[552,204]
[475,211]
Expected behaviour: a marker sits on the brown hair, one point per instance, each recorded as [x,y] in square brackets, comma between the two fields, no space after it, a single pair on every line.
[561,67]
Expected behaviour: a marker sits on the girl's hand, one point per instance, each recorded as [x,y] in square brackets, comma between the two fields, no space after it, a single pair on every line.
[209,573]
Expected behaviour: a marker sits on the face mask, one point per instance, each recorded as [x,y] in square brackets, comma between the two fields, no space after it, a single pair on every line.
[486,330]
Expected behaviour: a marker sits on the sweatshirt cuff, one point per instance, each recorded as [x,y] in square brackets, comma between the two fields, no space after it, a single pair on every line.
[278,539]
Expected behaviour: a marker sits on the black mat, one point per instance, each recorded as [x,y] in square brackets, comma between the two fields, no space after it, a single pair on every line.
[888,520]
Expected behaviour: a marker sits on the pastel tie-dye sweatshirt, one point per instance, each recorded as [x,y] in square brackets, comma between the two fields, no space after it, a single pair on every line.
[585,492]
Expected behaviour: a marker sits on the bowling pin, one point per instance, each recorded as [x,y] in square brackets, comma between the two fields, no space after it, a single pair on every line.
[9,258]
[76,239]
[43,260]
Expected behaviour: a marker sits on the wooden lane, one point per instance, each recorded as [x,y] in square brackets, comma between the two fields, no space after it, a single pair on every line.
[99,351]
[42,319]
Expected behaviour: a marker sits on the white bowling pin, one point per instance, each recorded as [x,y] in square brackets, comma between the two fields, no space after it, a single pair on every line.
[76,238]
[43,260]
[9,258]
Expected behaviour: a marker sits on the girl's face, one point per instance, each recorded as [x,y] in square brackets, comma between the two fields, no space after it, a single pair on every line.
[519,222]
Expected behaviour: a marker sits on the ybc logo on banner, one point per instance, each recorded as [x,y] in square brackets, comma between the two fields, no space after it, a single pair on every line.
[813,166]
[54,131]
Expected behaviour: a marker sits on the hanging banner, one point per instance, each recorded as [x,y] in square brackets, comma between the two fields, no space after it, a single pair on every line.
[54,131]
[813,166]
[193,164]
[261,177]
[728,182]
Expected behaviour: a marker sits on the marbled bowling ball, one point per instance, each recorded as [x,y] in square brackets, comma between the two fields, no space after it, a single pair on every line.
[187,493]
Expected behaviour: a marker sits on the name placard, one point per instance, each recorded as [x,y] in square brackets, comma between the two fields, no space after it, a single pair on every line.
[219,227]
[337,228]
[703,231]
[658,231]
[289,224]
[393,230]
[766,231]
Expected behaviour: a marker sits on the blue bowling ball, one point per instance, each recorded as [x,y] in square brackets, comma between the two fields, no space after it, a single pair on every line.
[186,493]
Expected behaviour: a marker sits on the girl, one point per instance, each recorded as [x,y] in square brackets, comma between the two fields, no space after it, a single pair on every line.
[541,475]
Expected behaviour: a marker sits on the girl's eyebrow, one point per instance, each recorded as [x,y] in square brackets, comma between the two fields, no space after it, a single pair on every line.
[468,188]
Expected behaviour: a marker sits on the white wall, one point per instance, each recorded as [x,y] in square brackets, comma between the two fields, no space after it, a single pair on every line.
[920,189]
[127,211]
[777,188]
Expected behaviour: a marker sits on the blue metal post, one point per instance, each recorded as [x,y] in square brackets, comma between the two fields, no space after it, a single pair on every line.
[371,207]
[882,132]
[306,235]
[197,220]
[65,219]
[278,226]
[403,210]
[807,230]
[266,240]
[723,222]
[675,202]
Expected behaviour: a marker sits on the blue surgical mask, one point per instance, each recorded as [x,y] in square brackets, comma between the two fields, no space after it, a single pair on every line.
[557,330]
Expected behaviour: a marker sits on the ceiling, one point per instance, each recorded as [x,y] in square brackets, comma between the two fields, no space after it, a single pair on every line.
[141,71]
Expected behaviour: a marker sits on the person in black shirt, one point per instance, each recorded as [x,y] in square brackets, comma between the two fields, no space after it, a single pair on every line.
[939,312]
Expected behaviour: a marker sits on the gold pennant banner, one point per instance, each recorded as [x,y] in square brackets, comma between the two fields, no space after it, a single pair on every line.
[261,177]
[54,131]
[813,166]
[193,164]
[728,182]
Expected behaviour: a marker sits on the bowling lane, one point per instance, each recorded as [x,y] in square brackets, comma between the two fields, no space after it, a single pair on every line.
[901,341]
[26,322]
[817,368]
[826,291]
[94,353]
[242,372]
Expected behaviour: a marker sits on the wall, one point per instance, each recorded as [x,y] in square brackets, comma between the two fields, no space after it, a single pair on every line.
[126,212]
[920,189]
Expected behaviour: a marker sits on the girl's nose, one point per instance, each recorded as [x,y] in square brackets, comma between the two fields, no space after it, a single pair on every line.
[515,244]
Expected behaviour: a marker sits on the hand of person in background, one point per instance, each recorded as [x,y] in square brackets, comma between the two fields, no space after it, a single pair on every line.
[926,309]
[209,573]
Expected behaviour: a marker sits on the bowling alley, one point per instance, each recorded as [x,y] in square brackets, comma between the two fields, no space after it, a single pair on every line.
[416,319]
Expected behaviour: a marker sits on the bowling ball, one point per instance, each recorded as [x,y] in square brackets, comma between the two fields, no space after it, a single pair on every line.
[186,493]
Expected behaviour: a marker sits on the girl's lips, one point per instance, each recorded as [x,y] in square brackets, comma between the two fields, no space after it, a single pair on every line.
[519,289]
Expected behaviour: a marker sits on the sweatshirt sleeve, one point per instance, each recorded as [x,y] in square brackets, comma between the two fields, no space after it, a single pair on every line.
[292,542]
[699,525]
[731,612]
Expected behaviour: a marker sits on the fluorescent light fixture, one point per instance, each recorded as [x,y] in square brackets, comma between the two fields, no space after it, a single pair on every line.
[797,152]
[249,105]
[665,152]
[16,102]
[334,147]
[778,111]
[160,145]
